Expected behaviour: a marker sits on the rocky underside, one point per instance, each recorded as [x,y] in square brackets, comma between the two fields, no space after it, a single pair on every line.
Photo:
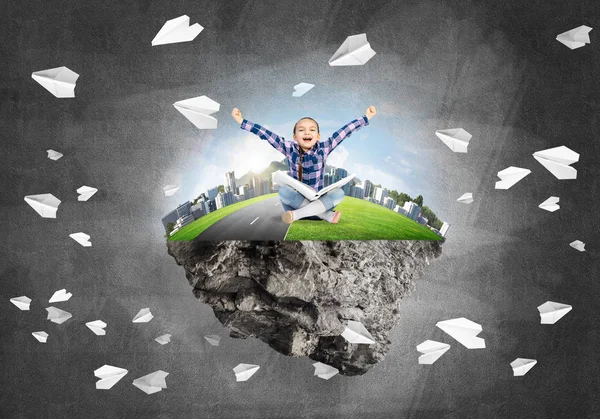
[298,296]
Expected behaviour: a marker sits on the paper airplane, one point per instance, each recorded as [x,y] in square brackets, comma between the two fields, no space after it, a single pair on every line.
[465,331]
[355,332]
[44,204]
[152,383]
[510,176]
[456,138]
[558,160]
[85,193]
[177,30]
[354,51]
[97,326]
[109,376]
[551,312]
[59,81]
[54,155]
[41,336]
[58,316]
[575,38]
[198,110]
[301,89]
[466,198]
[21,302]
[143,316]
[164,339]
[170,190]
[81,238]
[60,296]
[244,371]
[550,204]
[431,351]
[213,339]
[521,366]
[324,371]
[578,244]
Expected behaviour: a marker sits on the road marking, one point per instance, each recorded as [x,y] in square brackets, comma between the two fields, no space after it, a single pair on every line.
[276,204]
[254,220]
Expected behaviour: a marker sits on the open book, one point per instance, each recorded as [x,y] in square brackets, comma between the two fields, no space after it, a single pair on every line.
[282,178]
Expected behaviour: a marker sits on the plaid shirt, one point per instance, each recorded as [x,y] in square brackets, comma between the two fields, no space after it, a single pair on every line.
[313,160]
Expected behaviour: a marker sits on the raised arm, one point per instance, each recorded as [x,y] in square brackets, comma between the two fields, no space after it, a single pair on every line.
[279,143]
[332,142]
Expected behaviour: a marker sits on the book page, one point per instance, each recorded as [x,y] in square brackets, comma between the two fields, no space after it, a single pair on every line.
[337,184]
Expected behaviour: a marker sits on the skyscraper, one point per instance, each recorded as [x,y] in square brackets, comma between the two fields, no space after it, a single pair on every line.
[389,202]
[412,210]
[230,181]
[444,229]
[212,193]
[255,184]
[367,186]
[380,194]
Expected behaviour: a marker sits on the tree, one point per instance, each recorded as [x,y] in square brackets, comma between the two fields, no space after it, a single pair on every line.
[402,198]
[221,188]
[419,200]
[170,227]
[430,215]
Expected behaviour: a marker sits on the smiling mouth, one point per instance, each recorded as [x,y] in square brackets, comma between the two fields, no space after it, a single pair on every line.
[307,139]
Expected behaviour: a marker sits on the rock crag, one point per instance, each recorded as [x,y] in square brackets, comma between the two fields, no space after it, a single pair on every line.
[298,296]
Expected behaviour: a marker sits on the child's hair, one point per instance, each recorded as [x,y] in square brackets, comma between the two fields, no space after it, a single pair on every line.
[307,117]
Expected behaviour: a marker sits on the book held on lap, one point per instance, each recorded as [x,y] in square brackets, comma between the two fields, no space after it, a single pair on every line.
[282,178]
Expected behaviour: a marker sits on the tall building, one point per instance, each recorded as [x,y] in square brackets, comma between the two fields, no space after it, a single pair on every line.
[422,220]
[230,181]
[412,210]
[220,201]
[265,187]
[444,229]
[380,194]
[326,180]
[358,192]
[346,189]
[228,198]
[212,193]
[400,210]
[389,203]
[339,174]
[211,205]
[255,184]
[184,210]
[198,210]
[367,187]
[170,218]
[243,190]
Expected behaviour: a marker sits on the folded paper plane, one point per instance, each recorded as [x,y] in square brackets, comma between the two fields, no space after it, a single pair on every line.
[550,204]
[81,238]
[152,383]
[143,316]
[54,155]
[164,339]
[41,336]
[510,176]
[109,376]
[521,366]
[44,204]
[324,371]
[558,160]
[244,371]
[463,330]
[551,312]
[355,332]
[85,193]
[21,302]
[198,111]
[213,339]
[431,351]
[170,190]
[466,198]
[177,30]
[59,81]
[60,296]
[58,316]
[575,38]
[97,326]
[354,51]
[578,244]
[457,139]
[301,89]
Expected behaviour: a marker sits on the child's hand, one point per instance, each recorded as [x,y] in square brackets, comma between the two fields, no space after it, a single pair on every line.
[237,115]
[371,112]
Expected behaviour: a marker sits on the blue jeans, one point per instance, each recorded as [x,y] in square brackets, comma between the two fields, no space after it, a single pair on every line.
[291,200]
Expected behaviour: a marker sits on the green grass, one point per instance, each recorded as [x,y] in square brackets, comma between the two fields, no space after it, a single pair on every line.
[190,231]
[361,220]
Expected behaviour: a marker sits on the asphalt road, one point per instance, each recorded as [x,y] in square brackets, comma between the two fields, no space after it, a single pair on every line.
[260,221]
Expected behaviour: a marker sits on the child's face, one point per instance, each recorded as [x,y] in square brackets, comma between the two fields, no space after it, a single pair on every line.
[306,134]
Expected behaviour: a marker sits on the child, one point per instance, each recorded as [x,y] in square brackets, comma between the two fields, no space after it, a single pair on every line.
[306,159]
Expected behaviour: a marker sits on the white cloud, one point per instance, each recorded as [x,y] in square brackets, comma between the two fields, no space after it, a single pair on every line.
[388,159]
[338,157]
[210,176]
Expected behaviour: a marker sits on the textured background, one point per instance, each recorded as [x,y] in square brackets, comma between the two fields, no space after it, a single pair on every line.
[494,69]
